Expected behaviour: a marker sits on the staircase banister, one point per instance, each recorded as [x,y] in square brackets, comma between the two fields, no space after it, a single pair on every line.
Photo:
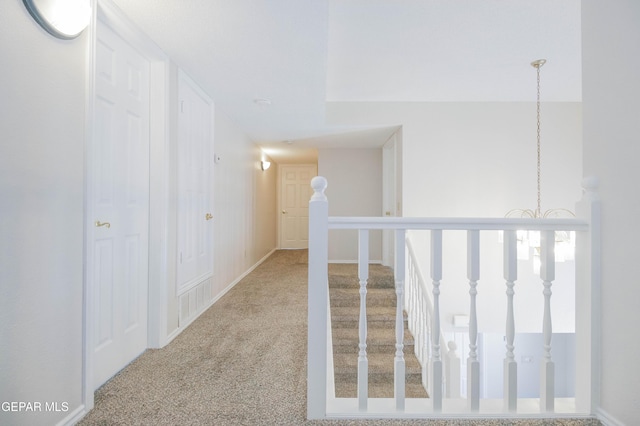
[321,401]
[458,224]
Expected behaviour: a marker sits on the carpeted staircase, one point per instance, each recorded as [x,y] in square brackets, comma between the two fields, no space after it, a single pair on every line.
[381,315]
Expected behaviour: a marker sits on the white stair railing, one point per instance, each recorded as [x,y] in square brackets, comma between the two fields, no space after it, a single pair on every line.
[420,314]
[322,404]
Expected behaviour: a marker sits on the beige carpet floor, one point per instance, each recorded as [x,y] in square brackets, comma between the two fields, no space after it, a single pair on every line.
[243,362]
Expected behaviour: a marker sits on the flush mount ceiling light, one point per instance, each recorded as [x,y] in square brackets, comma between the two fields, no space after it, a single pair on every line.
[265,165]
[262,101]
[64,19]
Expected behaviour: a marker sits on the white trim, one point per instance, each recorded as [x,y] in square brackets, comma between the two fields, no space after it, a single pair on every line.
[343,261]
[607,419]
[73,417]
[87,295]
[175,333]
[159,189]
[189,285]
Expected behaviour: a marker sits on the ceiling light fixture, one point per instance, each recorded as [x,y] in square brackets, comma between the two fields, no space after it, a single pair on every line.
[262,101]
[64,19]
[264,165]
[565,241]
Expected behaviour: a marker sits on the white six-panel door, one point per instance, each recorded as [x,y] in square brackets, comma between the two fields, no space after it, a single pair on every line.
[195,183]
[118,202]
[295,192]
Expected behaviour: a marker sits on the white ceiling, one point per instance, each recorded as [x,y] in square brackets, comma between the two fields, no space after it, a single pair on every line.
[300,54]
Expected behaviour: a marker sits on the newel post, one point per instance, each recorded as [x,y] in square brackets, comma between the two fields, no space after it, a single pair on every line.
[318,301]
[588,276]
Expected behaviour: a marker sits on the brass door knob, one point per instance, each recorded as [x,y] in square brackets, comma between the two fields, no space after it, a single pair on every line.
[99,224]
[208,216]
[284,212]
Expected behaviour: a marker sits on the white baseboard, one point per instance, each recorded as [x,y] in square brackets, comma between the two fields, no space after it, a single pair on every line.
[73,417]
[607,419]
[375,262]
[175,333]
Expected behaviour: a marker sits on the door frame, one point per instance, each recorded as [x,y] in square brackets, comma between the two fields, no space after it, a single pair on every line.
[391,191]
[159,68]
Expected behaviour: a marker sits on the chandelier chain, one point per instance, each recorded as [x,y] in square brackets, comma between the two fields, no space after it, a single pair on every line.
[538,212]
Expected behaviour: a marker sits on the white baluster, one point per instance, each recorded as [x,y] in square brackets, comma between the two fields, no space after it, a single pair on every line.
[510,365]
[399,366]
[318,301]
[547,274]
[426,344]
[435,382]
[453,371]
[363,276]
[473,365]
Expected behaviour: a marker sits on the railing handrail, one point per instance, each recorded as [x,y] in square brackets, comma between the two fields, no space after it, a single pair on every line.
[458,223]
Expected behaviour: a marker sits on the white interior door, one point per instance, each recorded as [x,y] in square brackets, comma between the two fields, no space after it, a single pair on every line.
[195,183]
[295,192]
[118,206]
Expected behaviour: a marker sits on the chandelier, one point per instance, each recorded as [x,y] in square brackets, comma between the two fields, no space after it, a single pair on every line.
[529,241]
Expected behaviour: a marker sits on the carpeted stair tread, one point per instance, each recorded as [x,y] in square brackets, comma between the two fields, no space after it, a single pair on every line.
[378,339]
[346,275]
[377,316]
[381,390]
[380,364]
[341,296]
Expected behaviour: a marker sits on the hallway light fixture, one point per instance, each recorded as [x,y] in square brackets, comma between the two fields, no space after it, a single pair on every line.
[64,19]
[264,165]
[565,241]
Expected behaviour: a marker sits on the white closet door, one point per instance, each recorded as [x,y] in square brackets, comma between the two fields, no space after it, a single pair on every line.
[119,206]
[195,183]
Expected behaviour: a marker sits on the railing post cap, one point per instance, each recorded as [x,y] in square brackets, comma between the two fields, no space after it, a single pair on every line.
[319,184]
[590,183]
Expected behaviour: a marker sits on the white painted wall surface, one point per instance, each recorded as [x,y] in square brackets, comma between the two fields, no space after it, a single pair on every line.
[42,123]
[244,218]
[355,189]
[528,353]
[611,89]
[479,159]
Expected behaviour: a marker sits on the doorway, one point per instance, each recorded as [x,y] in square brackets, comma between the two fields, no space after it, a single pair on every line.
[295,193]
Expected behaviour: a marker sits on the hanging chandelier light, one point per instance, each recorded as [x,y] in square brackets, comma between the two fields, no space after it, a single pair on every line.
[565,241]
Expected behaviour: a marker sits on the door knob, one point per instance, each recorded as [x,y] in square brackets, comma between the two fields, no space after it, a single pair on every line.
[208,216]
[99,224]
[284,212]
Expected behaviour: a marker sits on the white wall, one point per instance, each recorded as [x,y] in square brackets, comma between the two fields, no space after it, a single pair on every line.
[42,122]
[244,204]
[354,178]
[611,89]
[479,159]
[528,354]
